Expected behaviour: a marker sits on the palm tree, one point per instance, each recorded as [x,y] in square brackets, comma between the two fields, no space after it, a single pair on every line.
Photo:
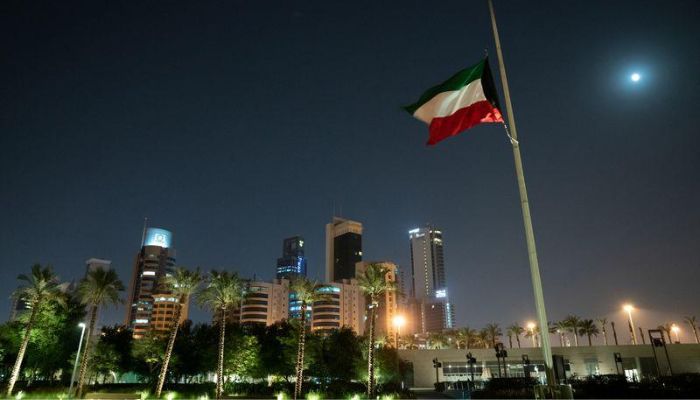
[467,336]
[223,292]
[482,338]
[532,334]
[573,323]
[666,328]
[37,288]
[693,326]
[437,341]
[561,328]
[515,330]
[603,322]
[182,284]
[373,283]
[409,342]
[307,293]
[589,328]
[99,287]
[494,333]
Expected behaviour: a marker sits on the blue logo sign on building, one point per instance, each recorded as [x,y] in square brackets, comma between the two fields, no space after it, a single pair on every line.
[158,237]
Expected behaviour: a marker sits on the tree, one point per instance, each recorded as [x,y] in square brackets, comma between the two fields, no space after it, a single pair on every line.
[40,286]
[515,330]
[99,287]
[666,328]
[306,293]
[589,328]
[561,328]
[573,323]
[242,352]
[437,341]
[223,292]
[693,326]
[603,323]
[482,338]
[373,283]
[148,353]
[409,342]
[493,332]
[117,339]
[181,284]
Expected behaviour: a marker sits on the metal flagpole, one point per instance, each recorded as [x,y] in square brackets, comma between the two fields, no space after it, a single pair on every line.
[525,205]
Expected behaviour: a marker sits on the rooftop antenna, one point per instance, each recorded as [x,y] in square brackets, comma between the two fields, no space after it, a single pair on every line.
[143,235]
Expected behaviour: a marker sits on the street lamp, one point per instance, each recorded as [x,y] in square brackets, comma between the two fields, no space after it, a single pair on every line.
[531,328]
[77,356]
[399,321]
[675,329]
[629,308]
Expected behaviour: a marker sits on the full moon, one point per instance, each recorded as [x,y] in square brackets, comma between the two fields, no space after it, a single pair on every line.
[635,77]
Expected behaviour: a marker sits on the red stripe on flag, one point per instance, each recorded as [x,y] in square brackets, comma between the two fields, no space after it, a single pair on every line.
[465,118]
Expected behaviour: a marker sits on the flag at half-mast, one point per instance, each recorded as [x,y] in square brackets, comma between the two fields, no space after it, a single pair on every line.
[467,99]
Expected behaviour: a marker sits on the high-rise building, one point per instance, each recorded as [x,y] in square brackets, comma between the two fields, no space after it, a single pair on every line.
[265,302]
[388,306]
[154,261]
[97,263]
[427,262]
[343,307]
[428,280]
[343,249]
[293,262]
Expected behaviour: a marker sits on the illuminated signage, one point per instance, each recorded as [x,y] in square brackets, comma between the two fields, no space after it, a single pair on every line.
[158,237]
[441,293]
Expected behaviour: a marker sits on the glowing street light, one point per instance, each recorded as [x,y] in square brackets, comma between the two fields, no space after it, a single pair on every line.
[629,308]
[531,328]
[77,356]
[399,321]
[675,329]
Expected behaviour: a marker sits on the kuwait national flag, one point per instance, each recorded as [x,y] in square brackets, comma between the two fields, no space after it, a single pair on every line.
[466,99]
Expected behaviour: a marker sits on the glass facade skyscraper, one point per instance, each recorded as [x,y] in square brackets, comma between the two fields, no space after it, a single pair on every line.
[343,249]
[293,262]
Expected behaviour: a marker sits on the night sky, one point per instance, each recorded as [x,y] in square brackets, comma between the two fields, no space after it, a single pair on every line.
[237,124]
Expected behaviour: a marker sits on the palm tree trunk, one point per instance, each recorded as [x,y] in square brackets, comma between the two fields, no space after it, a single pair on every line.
[517,339]
[220,366]
[300,353]
[510,341]
[589,340]
[86,352]
[169,349]
[605,336]
[695,332]
[575,335]
[22,350]
[561,339]
[370,355]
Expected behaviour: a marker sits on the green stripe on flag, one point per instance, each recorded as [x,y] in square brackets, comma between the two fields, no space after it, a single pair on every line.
[456,82]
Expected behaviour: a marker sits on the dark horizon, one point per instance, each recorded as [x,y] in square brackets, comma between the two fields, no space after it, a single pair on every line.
[237,125]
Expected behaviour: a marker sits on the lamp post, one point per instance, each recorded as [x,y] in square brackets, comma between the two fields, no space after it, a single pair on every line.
[77,357]
[399,321]
[675,329]
[629,308]
[531,328]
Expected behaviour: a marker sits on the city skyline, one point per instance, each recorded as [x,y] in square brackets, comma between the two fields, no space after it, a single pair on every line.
[613,187]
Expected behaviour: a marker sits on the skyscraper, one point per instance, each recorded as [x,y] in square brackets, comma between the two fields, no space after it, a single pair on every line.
[154,261]
[429,283]
[343,249]
[292,263]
